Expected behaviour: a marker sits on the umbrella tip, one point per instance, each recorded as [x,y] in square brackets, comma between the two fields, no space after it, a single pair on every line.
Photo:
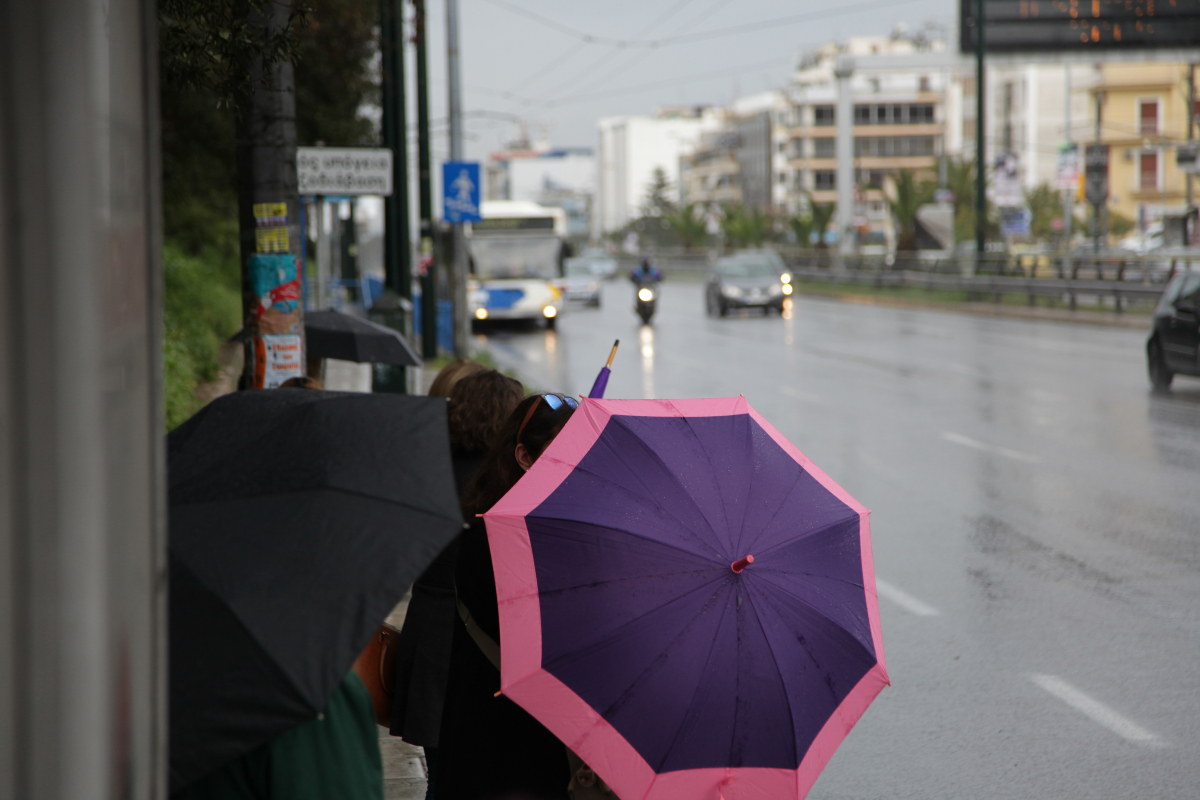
[741,563]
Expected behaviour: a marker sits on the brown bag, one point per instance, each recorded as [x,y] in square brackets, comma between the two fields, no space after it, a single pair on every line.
[376,665]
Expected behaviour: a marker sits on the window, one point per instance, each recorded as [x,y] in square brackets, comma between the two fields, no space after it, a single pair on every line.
[797,148]
[923,83]
[823,115]
[862,115]
[782,178]
[893,146]
[920,114]
[1148,172]
[824,179]
[824,148]
[1148,117]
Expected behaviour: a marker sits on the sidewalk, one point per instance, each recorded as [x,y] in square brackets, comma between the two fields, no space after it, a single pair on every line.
[404,769]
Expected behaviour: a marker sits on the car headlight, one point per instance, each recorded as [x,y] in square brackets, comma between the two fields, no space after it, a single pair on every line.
[731,291]
[775,289]
[592,287]
[645,295]
[785,277]
[787,288]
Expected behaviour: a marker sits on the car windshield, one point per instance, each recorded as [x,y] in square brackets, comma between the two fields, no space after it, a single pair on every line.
[578,270]
[746,268]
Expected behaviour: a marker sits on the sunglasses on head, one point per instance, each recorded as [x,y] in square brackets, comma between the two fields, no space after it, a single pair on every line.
[555,401]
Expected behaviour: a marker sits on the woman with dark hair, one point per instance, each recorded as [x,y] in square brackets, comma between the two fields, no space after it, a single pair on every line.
[489,746]
[478,406]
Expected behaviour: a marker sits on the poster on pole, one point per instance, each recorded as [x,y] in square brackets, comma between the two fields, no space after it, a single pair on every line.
[460,191]
[1095,185]
[1067,167]
[1006,185]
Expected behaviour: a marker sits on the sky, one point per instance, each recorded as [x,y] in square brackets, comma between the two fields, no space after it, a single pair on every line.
[557,66]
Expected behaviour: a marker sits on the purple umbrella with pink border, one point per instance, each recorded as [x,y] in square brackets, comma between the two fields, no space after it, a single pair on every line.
[687,601]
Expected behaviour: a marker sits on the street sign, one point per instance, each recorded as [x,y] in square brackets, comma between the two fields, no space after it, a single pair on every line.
[1015,221]
[1013,26]
[1187,157]
[1067,172]
[460,191]
[344,170]
[1095,187]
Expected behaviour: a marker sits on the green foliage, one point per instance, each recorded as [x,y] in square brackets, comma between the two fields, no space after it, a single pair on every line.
[1119,225]
[910,196]
[334,79]
[202,307]
[1045,204]
[745,227]
[688,223]
[658,200]
[822,215]
[210,45]
[802,228]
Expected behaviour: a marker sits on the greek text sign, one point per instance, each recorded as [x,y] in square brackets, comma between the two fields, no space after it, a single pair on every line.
[344,170]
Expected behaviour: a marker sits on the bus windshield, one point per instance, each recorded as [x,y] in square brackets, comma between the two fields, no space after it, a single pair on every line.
[515,257]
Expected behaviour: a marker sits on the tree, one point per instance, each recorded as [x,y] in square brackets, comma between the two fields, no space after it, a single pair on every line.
[658,200]
[802,227]
[822,215]
[688,223]
[910,196]
[745,227]
[1045,204]
[334,77]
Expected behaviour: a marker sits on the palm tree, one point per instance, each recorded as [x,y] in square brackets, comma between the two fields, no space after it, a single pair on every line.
[745,227]
[802,227]
[688,223]
[822,215]
[910,196]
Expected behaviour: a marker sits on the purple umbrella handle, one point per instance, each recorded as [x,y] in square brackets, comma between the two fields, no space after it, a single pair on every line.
[601,384]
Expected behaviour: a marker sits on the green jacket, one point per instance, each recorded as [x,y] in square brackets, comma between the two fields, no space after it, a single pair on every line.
[335,755]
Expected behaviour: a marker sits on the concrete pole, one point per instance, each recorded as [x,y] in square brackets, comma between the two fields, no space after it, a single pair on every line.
[843,70]
[1069,193]
[429,282]
[458,272]
[1191,123]
[83,704]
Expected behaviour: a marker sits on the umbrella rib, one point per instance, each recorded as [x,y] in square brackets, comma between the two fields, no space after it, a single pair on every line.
[762,574]
[696,691]
[778,509]
[775,663]
[814,532]
[712,470]
[720,562]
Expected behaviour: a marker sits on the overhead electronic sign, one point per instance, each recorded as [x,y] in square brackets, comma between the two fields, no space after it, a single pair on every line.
[1013,26]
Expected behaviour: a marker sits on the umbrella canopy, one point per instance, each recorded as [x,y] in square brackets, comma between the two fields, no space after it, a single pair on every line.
[636,626]
[332,334]
[298,519]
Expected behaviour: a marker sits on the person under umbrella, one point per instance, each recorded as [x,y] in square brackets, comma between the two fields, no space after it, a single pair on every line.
[298,519]
[477,408]
[489,746]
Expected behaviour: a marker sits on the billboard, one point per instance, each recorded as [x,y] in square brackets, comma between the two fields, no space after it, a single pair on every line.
[1013,26]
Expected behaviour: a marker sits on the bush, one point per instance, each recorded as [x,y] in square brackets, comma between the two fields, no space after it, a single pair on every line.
[202,307]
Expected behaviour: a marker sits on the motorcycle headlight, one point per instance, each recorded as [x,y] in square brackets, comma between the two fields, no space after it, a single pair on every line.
[645,295]
[731,291]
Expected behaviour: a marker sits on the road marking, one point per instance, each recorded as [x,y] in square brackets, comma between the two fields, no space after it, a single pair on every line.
[797,394]
[905,600]
[1096,711]
[967,441]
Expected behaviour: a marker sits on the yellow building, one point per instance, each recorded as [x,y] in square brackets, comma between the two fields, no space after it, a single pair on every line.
[1144,117]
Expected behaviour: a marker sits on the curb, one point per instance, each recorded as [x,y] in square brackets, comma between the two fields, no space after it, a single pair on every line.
[1104,319]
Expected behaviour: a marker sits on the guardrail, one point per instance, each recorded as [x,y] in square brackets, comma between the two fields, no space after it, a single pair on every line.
[1068,276]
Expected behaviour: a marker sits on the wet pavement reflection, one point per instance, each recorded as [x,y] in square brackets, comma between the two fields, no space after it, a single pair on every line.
[1036,523]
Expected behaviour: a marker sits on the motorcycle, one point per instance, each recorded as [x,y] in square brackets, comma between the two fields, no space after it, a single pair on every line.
[647,298]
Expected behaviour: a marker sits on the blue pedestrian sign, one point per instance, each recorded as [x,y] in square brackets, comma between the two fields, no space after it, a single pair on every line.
[460,191]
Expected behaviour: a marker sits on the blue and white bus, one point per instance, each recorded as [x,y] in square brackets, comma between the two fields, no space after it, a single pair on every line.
[516,254]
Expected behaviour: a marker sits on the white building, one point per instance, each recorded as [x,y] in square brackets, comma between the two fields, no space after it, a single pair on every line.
[563,177]
[631,148]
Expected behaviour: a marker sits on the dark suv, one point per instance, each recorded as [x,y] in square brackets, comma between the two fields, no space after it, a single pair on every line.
[1174,345]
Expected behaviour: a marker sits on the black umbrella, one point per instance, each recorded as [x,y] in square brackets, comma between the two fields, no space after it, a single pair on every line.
[298,519]
[332,334]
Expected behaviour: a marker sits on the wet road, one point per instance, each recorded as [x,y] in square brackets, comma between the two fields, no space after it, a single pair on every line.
[1036,526]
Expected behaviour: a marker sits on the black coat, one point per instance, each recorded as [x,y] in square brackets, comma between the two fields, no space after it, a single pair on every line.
[423,652]
[489,745]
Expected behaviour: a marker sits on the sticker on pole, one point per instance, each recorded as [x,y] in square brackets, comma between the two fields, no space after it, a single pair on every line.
[460,191]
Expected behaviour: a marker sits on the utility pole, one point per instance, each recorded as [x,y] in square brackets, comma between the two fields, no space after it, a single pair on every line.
[980,154]
[1191,123]
[1069,193]
[394,307]
[458,273]
[843,70]
[268,219]
[429,283]
[1097,206]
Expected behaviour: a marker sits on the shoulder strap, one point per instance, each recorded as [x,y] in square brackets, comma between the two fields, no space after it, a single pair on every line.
[489,646]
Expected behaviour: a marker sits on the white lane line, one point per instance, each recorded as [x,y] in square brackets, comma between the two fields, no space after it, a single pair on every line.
[797,394]
[967,441]
[905,600]
[1096,711]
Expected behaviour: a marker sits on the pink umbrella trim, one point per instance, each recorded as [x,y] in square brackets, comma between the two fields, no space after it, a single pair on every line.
[567,715]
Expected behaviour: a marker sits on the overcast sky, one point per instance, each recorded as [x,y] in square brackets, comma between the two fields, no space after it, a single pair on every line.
[559,65]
